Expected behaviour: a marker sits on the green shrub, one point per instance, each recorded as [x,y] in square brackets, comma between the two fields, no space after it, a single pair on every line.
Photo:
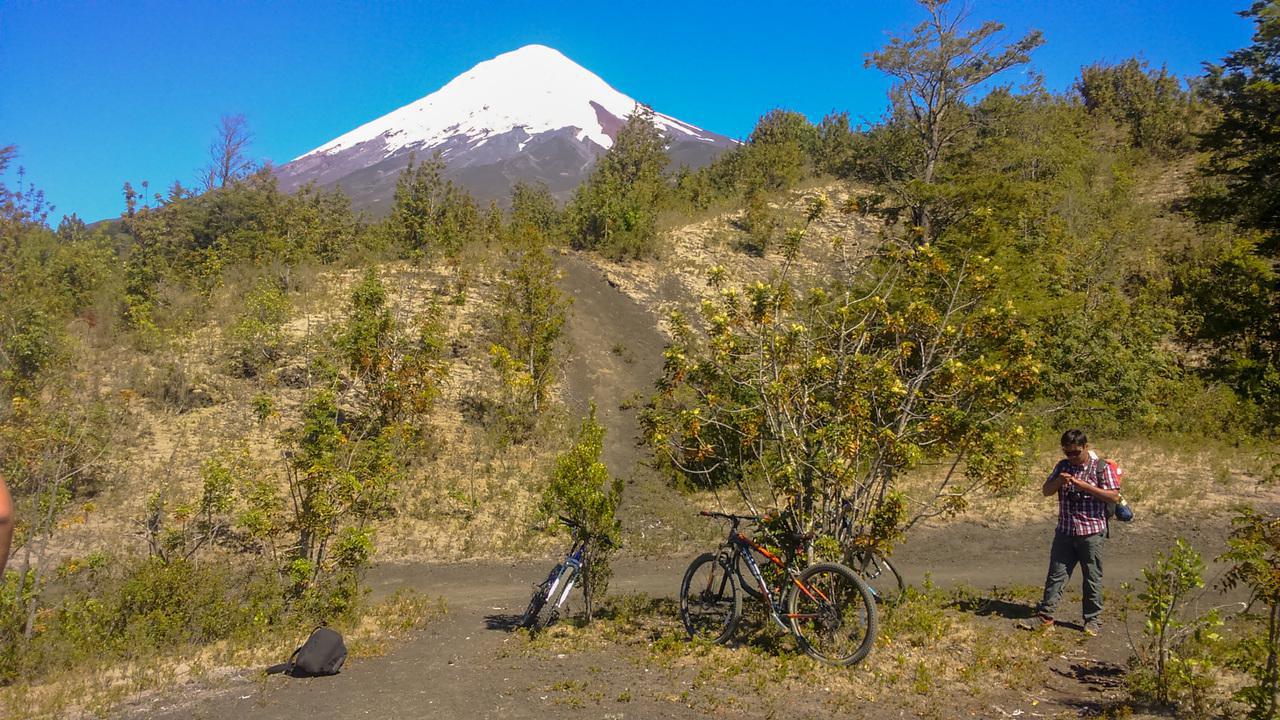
[581,490]
[118,609]
[1254,551]
[255,339]
[1170,666]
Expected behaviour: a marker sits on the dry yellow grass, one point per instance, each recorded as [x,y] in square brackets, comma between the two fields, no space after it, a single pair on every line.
[678,279]
[930,650]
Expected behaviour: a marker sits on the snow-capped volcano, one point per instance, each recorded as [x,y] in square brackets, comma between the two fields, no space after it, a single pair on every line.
[531,114]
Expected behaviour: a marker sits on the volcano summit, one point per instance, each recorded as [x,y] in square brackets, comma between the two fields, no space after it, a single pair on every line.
[528,115]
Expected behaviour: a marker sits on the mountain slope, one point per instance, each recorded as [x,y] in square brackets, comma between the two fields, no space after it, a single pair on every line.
[531,114]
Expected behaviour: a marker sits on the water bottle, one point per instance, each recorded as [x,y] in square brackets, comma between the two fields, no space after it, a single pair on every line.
[1124,513]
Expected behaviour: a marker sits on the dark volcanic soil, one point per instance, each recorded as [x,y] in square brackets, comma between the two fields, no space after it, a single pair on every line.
[467,664]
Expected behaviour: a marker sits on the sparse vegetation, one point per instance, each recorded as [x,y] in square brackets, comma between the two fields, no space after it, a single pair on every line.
[217,410]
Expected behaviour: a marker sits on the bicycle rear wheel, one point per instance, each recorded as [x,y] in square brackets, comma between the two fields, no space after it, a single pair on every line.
[879,574]
[709,602]
[834,615]
[539,599]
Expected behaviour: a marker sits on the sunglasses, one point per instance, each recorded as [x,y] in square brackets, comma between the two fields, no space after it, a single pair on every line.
[1072,453]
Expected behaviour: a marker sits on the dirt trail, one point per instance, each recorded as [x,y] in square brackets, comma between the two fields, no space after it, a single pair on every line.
[458,666]
[614,360]
[467,664]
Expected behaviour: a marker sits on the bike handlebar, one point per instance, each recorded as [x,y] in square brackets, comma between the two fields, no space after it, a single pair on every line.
[575,525]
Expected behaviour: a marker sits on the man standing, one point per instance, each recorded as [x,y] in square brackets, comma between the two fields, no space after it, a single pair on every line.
[6,524]
[1085,485]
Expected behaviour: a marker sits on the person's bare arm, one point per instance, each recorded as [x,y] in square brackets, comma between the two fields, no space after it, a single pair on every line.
[6,524]
[1055,481]
[1085,486]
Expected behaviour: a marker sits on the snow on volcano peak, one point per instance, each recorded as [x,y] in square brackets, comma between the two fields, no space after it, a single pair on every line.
[530,115]
[534,88]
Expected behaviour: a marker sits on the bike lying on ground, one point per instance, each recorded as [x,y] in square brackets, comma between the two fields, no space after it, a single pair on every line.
[826,607]
[549,597]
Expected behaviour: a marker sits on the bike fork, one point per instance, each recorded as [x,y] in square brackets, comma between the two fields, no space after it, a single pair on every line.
[573,570]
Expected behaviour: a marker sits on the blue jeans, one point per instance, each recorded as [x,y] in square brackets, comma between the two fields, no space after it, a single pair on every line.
[1066,553]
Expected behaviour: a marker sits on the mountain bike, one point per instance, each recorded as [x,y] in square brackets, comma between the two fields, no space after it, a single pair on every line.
[826,607]
[549,596]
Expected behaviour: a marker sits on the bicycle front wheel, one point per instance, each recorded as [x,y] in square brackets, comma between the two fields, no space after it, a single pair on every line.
[832,614]
[709,602]
[879,574]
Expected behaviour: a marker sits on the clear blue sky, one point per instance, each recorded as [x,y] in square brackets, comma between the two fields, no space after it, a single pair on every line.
[96,93]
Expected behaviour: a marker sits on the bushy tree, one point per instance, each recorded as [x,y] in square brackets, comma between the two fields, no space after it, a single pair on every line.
[256,337]
[582,491]
[1243,144]
[616,210]
[394,370]
[814,399]
[837,145]
[352,443]
[1151,104]
[935,69]
[533,210]
[1229,295]
[530,313]
[778,152]
[54,449]
[432,216]
[1235,315]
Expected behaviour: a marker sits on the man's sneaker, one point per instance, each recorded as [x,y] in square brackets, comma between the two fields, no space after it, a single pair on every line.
[1092,628]
[1039,622]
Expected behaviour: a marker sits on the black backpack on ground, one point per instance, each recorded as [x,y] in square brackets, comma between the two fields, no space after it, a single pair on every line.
[322,654]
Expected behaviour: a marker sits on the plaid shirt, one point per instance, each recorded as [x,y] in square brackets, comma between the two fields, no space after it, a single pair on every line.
[1080,513]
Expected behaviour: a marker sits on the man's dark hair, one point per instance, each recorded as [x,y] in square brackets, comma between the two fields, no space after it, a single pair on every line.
[1074,437]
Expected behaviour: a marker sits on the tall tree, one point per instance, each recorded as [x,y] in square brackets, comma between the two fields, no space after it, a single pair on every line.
[530,318]
[935,69]
[1150,104]
[1244,144]
[616,210]
[432,215]
[228,153]
[1232,290]
[532,208]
